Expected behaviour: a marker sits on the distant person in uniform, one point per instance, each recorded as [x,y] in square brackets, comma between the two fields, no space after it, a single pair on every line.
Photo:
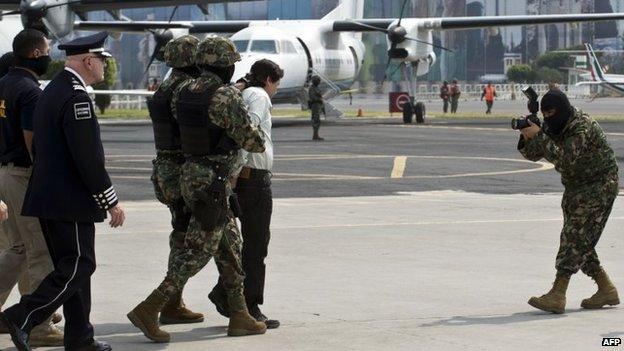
[489,93]
[179,54]
[578,148]
[445,95]
[454,94]
[69,191]
[315,98]
[24,256]
[6,61]
[253,187]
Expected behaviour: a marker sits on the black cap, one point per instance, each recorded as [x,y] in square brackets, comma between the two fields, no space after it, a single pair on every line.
[84,45]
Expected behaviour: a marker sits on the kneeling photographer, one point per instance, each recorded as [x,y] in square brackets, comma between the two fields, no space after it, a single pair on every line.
[576,145]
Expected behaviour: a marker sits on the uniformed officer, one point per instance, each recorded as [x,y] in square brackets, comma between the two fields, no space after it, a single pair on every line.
[213,125]
[179,54]
[69,191]
[24,255]
[578,148]
[315,97]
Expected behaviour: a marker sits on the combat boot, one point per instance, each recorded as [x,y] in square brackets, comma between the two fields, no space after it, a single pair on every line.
[315,136]
[175,312]
[555,300]
[145,316]
[242,323]
[46,335]
[606,295]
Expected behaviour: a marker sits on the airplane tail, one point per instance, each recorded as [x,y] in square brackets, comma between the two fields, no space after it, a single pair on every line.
[347,9]
[595,69]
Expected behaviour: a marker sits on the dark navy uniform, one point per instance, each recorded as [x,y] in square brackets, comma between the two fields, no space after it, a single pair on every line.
[19,92]
[69,191]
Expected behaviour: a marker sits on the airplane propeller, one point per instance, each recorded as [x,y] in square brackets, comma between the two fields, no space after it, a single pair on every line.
[32,12]
[161,38]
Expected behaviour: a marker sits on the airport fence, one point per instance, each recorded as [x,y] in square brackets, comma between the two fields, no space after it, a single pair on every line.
[427,92]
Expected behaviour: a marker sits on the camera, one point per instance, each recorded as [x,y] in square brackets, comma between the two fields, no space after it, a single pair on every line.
[533,106]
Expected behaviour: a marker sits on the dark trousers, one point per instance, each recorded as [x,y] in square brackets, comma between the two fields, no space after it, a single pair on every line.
[445,104]
[71,247]
[256,201]
[489,106]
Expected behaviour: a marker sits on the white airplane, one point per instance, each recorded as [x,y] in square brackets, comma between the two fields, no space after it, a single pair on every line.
[597,76]
[331,47]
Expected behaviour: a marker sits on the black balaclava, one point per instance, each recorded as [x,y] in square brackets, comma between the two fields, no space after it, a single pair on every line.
[554,125]
[192,71]
[38,65]
[225,73]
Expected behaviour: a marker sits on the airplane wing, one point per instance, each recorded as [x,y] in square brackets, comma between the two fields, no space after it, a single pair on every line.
[9,5]
[589,83]
[97,5]
[361,25]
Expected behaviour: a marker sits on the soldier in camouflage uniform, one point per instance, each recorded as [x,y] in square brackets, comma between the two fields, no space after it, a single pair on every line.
[214,125]
[179,54]
[579,150]
[315,98]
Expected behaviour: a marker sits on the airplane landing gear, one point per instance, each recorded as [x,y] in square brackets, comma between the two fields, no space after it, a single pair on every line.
[411,109]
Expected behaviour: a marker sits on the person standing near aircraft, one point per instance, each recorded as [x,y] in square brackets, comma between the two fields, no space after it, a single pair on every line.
[253,187]
[489,93]
[69,191]
[214,125]
[315,97]
[24,256]
[579,149]
[454,93]
[445,95]
[179,54]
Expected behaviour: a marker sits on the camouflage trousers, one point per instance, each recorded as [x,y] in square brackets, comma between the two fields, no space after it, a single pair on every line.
[166,180]
[316,109]
[224,243]
[585,214]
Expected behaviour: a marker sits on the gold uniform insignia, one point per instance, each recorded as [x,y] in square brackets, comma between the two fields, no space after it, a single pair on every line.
[2,109]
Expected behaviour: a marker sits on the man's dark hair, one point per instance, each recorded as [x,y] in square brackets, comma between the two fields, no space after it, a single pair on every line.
[263,69]
[27,41]
[6,61]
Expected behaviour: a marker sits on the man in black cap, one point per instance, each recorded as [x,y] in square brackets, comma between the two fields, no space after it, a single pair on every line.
[69,191]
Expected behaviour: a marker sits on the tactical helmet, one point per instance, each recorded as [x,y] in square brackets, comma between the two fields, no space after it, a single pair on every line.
[217,52]
[181,52]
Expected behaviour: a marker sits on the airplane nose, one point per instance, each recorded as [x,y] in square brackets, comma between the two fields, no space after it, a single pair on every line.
[242,67]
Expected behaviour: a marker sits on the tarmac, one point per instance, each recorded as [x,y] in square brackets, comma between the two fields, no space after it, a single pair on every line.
[384,237]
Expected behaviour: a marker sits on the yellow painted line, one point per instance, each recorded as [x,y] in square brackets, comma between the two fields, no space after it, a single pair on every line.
[399,167]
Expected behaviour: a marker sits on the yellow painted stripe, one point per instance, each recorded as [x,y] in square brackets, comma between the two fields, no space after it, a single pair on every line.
[399,167]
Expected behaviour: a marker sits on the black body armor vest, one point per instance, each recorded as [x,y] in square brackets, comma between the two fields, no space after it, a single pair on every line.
[199,136]
[166,129]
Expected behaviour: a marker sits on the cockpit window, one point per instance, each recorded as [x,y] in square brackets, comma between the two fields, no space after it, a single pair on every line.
[288,47]
[241,45]
[266,46]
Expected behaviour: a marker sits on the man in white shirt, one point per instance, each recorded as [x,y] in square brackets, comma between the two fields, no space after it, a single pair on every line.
[253,188]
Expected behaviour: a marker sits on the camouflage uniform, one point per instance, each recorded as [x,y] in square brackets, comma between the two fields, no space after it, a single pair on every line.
[224,242]
[589,173]
[316,106]
[178,53]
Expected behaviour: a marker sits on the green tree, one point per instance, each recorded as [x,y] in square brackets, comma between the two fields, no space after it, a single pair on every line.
[547,75]
[521,74]
[102,101]
[56,66]
[554,60]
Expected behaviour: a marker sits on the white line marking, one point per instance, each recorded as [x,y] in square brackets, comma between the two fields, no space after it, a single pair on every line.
[399,167]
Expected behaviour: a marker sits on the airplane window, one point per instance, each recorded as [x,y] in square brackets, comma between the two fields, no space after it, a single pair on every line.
[241,45]
[288,47]
[266,46]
